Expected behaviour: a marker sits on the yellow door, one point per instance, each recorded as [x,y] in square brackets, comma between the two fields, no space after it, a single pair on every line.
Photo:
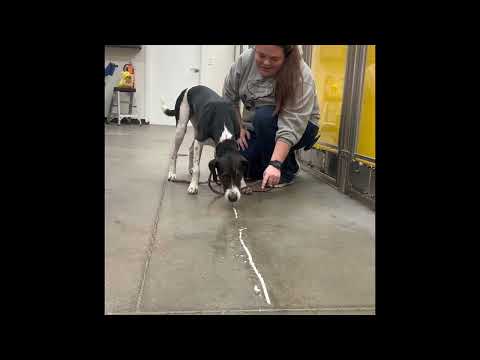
[328,68]
[365,146]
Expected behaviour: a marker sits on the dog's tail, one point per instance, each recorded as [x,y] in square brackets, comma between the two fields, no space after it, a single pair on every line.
[165,109]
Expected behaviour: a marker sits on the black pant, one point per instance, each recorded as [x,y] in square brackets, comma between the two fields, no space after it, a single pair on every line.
[262,143]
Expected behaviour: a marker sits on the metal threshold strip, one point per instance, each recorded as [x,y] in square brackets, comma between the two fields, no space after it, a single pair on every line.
[361,310]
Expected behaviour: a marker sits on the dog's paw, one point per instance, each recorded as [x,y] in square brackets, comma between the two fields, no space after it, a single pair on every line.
[247,190]
[192,189]
[172,176]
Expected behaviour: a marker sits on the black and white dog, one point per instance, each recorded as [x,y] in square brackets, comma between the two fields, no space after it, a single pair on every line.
[214,123]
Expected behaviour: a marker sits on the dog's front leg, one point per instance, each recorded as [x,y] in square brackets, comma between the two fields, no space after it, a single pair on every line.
[244,188]
[197,153]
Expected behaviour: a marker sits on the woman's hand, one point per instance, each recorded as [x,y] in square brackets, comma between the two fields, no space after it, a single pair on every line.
[242,141]
[271,176]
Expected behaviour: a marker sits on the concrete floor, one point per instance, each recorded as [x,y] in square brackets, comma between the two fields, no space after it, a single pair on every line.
[303,249]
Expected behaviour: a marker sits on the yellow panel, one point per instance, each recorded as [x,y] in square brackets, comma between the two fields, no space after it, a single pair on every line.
[328,68]
[366,134]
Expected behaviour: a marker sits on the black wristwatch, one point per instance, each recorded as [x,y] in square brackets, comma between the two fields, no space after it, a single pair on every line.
[276,164]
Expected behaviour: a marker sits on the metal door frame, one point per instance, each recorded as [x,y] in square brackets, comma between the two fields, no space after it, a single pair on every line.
[350,115]
[350,122]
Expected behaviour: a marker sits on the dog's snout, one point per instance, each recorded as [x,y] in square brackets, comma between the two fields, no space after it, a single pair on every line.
[232,194]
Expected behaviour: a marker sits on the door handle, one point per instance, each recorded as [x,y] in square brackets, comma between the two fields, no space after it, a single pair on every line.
[195,70]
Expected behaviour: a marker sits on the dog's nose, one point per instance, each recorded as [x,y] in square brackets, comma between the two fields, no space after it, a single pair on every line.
[232,197]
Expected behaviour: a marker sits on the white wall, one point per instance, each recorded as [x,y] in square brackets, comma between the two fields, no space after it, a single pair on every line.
[216,63]
[121,56]
[167,72]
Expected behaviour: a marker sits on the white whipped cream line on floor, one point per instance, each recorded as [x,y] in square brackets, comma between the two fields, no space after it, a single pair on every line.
[250,259]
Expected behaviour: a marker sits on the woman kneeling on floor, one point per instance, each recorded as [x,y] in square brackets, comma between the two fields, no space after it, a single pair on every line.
[281,110]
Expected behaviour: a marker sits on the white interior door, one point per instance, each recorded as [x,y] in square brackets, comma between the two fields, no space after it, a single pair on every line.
[169,70]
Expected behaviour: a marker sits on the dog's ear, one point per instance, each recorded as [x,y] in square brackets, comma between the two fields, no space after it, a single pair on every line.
[212,166]
[244,165]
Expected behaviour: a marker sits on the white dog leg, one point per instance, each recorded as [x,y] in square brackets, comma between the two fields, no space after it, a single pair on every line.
[190,158]
[197,153]
[172,169]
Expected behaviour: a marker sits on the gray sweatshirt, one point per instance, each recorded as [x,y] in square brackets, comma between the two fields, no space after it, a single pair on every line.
[245,83]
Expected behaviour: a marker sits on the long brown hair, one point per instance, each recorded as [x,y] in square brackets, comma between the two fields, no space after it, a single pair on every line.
[289,79]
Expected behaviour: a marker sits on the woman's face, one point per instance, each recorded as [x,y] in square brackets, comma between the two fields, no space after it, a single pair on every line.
[269,59]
